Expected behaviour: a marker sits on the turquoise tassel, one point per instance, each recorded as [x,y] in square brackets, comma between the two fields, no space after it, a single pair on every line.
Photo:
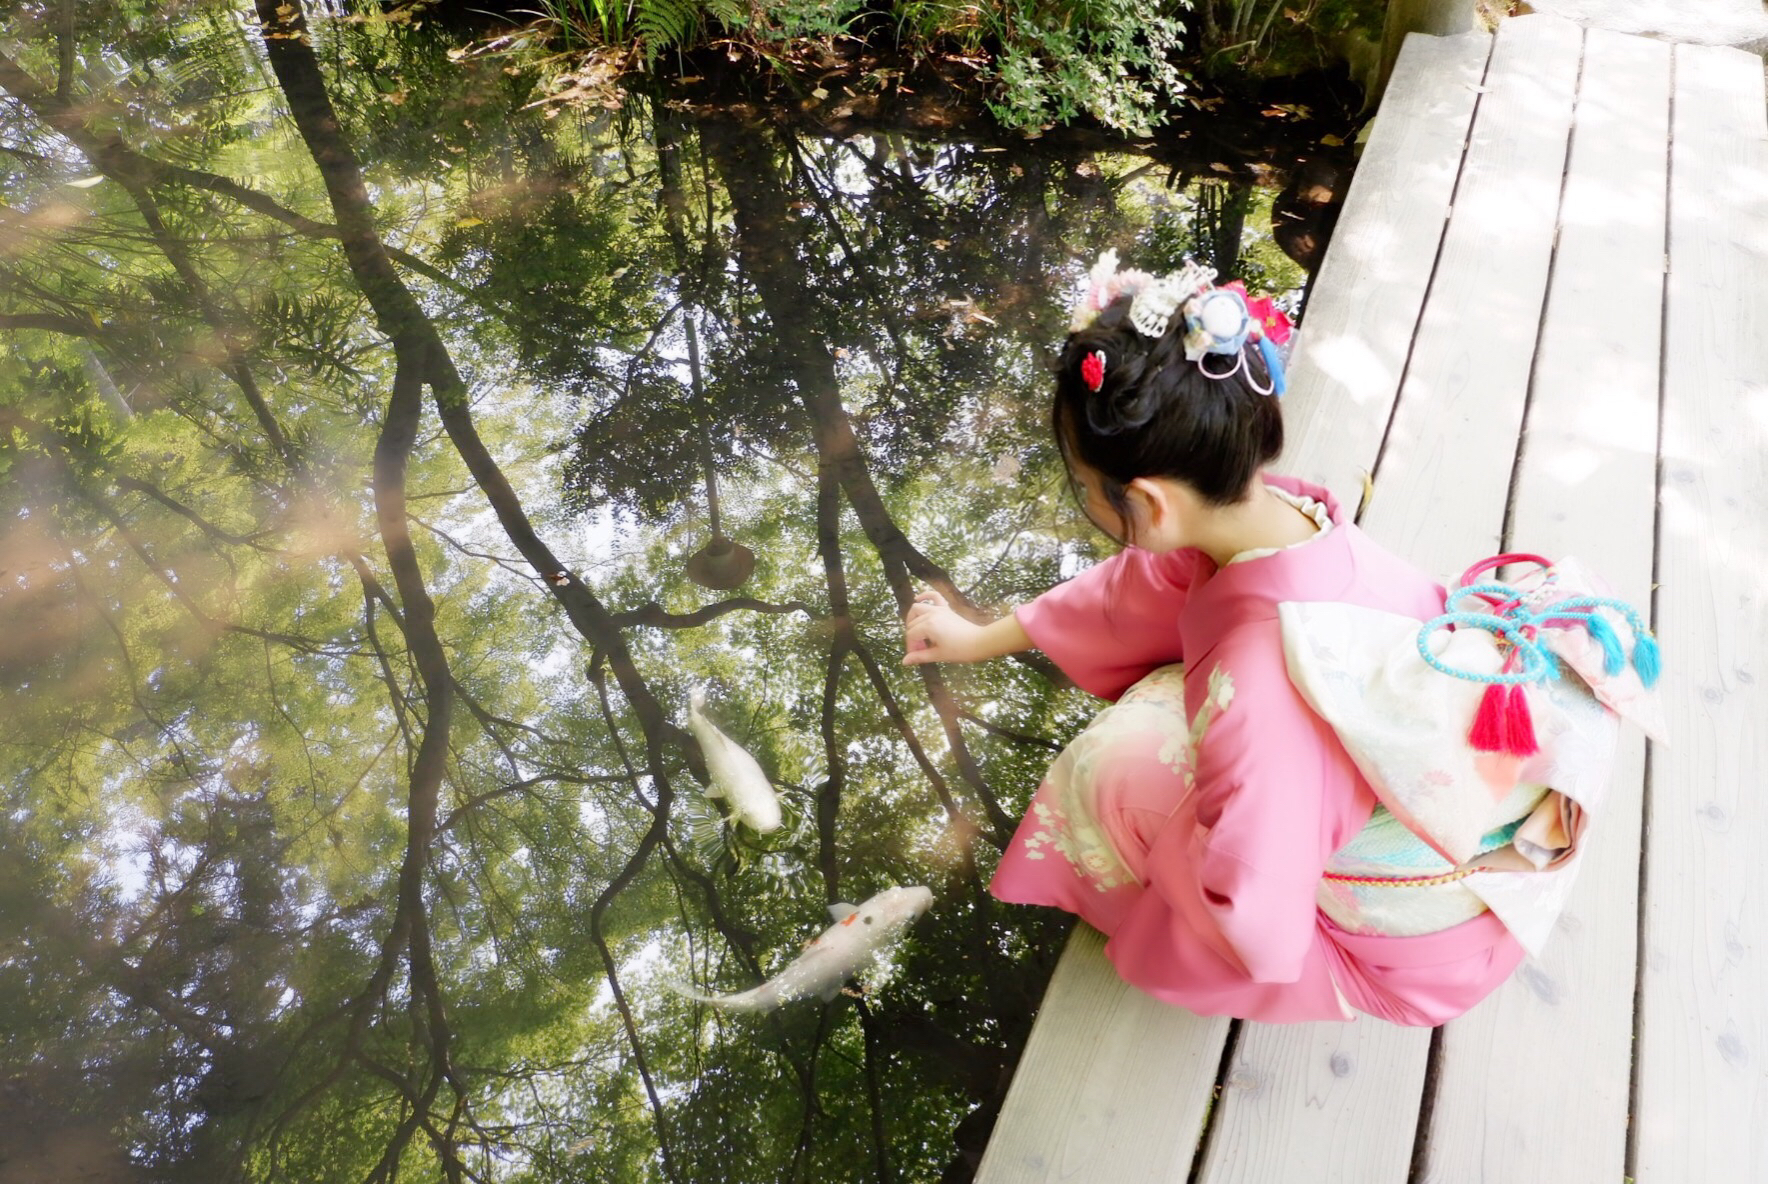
[1614,658]
[1645,660]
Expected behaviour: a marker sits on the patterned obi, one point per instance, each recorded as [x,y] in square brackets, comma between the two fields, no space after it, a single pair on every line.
[1390,882]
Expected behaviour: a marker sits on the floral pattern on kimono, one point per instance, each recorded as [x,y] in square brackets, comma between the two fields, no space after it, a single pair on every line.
[1071,820]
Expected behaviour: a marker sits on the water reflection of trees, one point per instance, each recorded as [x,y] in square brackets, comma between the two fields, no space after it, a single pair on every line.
[351,466]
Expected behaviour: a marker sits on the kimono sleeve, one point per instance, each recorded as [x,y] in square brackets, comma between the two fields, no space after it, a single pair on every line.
[1261,789]
[1113,623]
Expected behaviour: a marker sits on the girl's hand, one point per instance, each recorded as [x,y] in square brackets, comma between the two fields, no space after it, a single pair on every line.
[936,633]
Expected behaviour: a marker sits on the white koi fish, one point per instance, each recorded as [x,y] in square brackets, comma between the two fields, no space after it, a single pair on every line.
[839,952]
[735,775]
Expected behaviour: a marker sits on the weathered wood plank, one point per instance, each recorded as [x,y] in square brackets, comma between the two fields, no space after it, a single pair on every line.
[1370,288]
[1586,487]
[1440,496]
[1112,1084]
[1702,1074]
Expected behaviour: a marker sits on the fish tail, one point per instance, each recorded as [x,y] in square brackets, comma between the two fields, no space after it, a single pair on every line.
[742,1001]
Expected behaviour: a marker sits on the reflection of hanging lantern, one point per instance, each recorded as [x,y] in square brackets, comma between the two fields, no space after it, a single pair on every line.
[721,564]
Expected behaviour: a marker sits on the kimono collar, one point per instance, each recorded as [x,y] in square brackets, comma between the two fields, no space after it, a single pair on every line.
[1222,598]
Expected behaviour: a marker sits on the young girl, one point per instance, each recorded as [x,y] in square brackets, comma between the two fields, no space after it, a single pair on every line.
[1207,822]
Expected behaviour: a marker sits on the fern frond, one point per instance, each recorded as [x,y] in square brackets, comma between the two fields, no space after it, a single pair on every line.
[661,24]
[729,13]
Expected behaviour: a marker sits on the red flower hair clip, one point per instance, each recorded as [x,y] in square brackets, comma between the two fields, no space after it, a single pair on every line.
[1092,369]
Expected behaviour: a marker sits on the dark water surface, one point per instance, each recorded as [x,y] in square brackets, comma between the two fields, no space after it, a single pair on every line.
[353,475]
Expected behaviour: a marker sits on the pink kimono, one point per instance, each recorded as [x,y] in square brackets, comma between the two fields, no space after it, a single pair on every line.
[1200,854]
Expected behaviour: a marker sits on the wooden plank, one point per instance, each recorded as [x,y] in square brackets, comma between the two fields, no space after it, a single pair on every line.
[1112,1085]
[1093,1032]
[1587,486]
[1349,357]
[1702,1074]
[1440,495]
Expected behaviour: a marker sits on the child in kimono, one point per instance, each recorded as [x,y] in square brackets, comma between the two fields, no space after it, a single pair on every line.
[1210,823]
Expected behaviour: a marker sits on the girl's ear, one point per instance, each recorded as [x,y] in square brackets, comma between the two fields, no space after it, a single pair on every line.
[1163,512]
[1151,505]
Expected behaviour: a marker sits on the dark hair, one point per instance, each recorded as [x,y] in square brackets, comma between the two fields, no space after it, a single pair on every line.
[1158,415]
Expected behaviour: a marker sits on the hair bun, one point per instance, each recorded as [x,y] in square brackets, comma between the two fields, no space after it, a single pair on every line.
[1124,410]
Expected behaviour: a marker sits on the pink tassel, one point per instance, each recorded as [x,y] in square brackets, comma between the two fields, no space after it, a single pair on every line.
[1489,732]
[1519,726]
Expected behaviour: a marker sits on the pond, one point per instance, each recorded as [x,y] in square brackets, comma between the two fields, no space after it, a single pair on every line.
[390,452]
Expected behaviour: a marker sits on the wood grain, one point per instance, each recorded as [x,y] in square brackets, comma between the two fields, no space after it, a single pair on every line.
[1112,1084]
[1703,1030]
[1370,289]
[1586,486]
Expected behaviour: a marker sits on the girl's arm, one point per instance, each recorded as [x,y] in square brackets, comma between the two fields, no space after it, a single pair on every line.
[935,633]
[1106,628]
[1112,624]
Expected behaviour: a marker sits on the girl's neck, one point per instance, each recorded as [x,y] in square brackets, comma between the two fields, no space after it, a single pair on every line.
[1264,520]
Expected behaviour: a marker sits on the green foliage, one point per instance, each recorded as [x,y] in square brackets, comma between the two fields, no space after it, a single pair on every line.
[1048,61]
[1109,59]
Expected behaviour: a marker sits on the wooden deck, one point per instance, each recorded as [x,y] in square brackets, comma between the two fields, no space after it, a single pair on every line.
[1542,325]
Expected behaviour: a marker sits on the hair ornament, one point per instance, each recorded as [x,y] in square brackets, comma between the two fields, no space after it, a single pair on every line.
[1152,310]
[1217,320]
[1092,369]
[1104,284]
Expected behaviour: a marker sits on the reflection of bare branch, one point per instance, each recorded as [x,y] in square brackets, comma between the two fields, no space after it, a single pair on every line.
[515,567]
[893,709]
[372,594]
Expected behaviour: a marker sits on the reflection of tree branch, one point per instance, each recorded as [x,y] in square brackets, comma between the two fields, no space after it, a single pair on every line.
[828,795]
[373,593]
[656,617]
[510,565]
[656,832]
[880,1140]
[297,72]
[55,449]
[893,709]
[267,206]
[48,321]
[124,481]
[515,787]
[1008,733]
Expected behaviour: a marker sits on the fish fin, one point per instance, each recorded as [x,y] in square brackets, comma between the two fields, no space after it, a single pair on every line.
[842,910]
[712,790]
